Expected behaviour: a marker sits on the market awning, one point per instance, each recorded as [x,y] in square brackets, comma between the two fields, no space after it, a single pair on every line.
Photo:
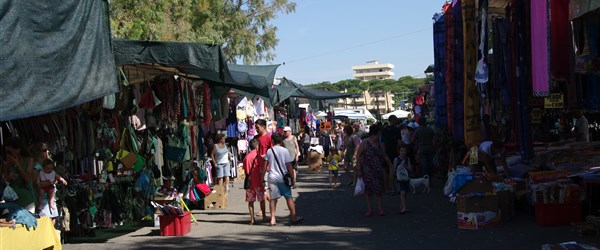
[258,80]
[142,60]
[54,56]
[310,93]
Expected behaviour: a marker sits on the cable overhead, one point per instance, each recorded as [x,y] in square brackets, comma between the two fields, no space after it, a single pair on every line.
[356,46]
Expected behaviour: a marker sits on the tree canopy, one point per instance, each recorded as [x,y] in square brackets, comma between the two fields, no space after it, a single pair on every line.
[242,27]
[404,88]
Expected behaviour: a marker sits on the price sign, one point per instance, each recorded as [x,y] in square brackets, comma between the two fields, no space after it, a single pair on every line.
[554,101]
[473,156]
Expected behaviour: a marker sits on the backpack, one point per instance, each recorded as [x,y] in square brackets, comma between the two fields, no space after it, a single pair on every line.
[401,171]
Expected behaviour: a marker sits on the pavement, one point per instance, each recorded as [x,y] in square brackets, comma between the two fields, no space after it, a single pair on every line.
[334,219]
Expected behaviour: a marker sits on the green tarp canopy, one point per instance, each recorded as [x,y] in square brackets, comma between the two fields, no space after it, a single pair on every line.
[261,78]
[53,55]
[142,60]
[310,93]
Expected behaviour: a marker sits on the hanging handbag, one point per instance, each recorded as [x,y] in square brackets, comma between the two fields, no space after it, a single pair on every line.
[126,158]
[287,178]
[247,179]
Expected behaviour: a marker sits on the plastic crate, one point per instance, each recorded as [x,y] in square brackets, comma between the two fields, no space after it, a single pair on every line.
[557,214]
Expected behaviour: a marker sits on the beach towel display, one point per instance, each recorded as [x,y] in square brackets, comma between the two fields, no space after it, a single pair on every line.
[471,96]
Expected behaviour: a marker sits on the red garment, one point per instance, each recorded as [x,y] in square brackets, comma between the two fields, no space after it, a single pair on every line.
[264,144]
[255,176]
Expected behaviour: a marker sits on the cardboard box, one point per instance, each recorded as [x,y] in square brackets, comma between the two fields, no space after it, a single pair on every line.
[478,220]
[216,200]
[477,204]
[478,185]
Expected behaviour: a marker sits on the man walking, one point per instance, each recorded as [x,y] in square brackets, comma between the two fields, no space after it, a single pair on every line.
[278,164]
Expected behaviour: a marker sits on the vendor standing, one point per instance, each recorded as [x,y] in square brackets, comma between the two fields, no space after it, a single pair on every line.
[582,130]
[18,171]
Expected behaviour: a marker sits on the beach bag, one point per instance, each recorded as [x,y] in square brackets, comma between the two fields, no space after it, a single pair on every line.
[174,153]
[250,111]
[242,127]
[126,158]
[240,114]
[9,194]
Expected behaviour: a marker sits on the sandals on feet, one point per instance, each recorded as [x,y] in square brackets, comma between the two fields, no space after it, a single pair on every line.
[368,213]
[381,213]
[298,220]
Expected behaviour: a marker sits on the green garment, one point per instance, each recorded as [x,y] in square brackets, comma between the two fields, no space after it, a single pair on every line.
[24,189]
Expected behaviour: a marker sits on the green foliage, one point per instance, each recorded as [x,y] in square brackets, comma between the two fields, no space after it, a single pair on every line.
[324,86]
[242,27]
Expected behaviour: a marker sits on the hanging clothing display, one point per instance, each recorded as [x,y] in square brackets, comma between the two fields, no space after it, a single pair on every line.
[471,96]
[439,45]
[540,50]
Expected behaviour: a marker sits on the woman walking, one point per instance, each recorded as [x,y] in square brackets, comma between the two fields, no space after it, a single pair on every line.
[220,157]
[350,147]
[369,168]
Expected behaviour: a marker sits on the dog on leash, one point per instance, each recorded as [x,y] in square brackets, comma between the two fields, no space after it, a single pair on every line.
[422,183]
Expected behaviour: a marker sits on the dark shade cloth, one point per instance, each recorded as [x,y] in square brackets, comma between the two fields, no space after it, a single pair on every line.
[449,74]
[54,55]
[458,124]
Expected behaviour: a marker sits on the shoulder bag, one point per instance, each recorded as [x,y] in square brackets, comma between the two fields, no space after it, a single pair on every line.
[287,178]
[247,179]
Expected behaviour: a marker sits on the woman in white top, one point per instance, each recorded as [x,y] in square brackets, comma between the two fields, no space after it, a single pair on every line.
[220,159]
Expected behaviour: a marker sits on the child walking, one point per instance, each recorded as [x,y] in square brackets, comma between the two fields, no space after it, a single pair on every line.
[333,161]
[47,179]
[403,166]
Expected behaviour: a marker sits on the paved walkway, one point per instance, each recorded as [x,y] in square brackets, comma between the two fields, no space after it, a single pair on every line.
[333,219]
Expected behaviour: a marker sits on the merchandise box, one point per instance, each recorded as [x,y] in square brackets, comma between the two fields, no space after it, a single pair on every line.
[478,185]
[216,200]
[478,220]
[477,204]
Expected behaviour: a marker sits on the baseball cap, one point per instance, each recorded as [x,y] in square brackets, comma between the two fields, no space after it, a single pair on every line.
[287,128]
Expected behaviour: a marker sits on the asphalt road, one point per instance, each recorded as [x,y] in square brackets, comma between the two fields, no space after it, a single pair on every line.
[334,219]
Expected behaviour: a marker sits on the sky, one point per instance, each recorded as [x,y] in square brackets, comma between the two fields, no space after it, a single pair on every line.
[323,39]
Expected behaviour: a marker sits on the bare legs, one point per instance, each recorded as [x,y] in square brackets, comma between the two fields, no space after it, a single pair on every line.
[273,207]
[379,205]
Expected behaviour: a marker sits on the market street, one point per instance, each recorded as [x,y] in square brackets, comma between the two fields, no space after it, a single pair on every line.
[334,219]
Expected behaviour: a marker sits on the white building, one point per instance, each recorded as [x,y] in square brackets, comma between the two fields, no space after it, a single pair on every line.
[371,101]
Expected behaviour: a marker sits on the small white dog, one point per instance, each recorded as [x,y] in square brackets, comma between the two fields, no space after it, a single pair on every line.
[420,183]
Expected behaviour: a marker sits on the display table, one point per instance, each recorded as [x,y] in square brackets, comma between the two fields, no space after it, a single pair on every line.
[44,236]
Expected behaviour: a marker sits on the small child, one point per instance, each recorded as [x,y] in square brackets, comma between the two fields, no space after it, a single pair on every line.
[47,179]
[333,161]
[403,167]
